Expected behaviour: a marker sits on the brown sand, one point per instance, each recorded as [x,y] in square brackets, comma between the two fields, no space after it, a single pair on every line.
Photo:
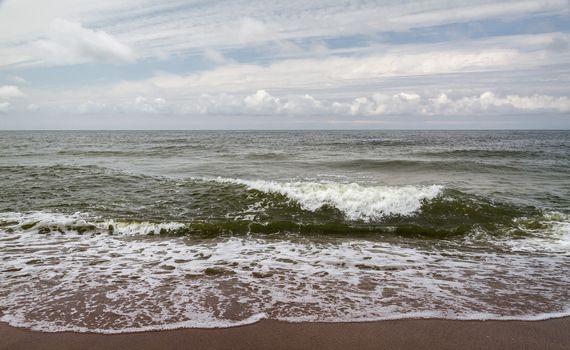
[273,335]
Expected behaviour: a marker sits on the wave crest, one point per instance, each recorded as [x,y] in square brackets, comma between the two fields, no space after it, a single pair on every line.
[355,201]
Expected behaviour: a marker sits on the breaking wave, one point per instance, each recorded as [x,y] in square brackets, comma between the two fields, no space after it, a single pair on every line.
[233,207]
[355,201]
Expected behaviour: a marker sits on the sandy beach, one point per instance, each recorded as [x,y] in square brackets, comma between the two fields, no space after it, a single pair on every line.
[399,334]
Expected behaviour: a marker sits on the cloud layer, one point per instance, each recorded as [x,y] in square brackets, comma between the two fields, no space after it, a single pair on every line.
[80,61]
[161,29]
[70,43]
[263,103]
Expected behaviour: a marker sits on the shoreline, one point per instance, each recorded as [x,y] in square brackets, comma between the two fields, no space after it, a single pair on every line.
[270,334]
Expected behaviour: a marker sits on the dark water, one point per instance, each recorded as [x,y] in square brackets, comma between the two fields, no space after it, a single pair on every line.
[117,231]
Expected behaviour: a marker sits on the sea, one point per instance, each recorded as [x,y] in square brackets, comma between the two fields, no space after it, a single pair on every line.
[125,231]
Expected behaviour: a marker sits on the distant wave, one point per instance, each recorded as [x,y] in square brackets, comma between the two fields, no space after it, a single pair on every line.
[373,143]
[417,165]
[486,153]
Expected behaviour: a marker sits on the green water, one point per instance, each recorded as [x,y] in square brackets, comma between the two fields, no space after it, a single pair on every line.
[452,224]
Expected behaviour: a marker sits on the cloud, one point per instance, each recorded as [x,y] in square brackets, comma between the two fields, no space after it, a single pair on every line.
[32,107]
[324,58]
[5,107]
[467,12]
[332,72]
[145,105]
[10,91]
[254,30]
[304,104]
[403,103]
[137,105]
[215,56]
[173,29]
[16,79]
[559,44]
[259,103]
[242,23]
[263,103]
[70,43]
[529,103]
[442,104]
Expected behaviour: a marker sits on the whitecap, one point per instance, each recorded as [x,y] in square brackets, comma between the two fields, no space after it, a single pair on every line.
[355,201]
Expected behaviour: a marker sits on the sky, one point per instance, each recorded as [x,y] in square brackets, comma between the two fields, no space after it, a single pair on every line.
[256,64]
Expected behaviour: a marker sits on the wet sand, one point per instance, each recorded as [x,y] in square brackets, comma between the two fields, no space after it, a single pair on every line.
[400,334]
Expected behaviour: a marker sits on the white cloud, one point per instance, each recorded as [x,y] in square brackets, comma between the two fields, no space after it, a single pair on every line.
[403,103]
[254,30]
[139,104]
[91,106]
[69,42]
[165,29]
[304,104]
[295,57]
[535,102]
[330,72]
[5,107]
[215,56]
[146,105]
[468,12]
[264,103]
[244,23]
[442,104]
[10,91]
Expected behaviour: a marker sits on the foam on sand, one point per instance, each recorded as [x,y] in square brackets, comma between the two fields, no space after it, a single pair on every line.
[113,283]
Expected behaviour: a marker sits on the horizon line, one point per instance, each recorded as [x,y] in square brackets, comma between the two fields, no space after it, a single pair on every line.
[458,129]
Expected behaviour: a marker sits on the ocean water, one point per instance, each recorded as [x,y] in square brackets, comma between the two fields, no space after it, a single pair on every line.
[129,230]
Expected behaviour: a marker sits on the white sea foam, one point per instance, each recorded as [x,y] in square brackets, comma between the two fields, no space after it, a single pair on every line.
[199,320]
[554,236]
[42,219]
[140,228]
[357,202]
[34,221]
[123,283]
